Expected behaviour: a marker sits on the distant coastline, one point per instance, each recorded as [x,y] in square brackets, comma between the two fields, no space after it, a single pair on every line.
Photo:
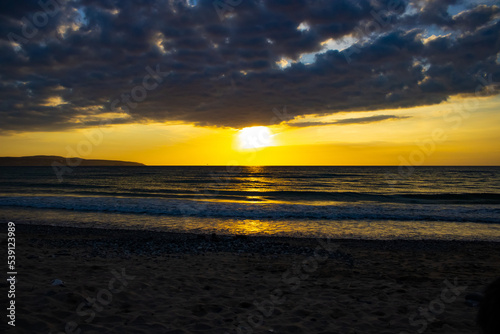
[49,160]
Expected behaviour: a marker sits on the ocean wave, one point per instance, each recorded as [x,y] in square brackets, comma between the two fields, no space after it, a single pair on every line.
[438,198]
[215,192]
[264,210]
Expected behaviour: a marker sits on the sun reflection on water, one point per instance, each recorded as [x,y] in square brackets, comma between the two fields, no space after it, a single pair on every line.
[251,226]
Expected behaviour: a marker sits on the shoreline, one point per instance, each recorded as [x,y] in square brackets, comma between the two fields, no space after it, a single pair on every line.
[365,229]
[31,227]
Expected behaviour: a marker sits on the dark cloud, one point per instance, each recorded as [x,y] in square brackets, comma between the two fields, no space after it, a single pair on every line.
[471,19]
[92,57]
[347,121]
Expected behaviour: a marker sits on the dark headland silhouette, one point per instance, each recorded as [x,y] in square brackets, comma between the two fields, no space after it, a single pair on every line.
[49,160]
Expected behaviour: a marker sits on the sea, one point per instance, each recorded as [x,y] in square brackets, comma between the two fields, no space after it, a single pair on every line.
[451,203]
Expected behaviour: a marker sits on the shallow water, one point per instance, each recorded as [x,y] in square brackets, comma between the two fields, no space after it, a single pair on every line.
[353,202]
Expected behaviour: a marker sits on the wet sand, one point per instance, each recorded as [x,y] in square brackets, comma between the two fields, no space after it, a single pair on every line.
[122,281]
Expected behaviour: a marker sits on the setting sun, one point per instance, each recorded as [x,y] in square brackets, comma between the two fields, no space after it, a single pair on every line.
[255,137]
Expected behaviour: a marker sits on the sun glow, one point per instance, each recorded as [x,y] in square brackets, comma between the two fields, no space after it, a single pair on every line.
[255,137]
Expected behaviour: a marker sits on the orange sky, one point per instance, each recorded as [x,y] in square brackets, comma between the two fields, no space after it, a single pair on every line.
[462,131]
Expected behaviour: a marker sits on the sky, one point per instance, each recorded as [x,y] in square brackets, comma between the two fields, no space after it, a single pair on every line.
[186,82]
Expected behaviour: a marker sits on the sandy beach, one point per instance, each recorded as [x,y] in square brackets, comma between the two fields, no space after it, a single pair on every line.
[123,281]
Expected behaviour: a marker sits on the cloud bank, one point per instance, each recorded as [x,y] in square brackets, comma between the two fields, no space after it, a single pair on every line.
[72,64]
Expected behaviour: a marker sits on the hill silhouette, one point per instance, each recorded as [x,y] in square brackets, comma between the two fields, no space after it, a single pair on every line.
[49,160]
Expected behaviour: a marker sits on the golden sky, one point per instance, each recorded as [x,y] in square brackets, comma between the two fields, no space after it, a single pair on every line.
[462,131]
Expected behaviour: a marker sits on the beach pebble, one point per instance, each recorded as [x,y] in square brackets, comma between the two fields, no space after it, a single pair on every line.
[57,282]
